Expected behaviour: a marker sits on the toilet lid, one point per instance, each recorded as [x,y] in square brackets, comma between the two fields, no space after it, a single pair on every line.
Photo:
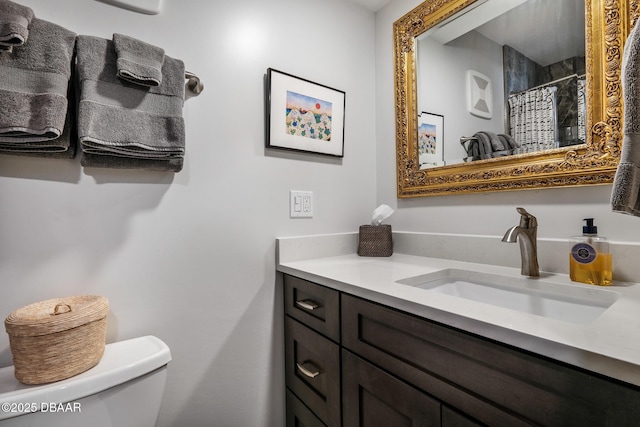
[122,362]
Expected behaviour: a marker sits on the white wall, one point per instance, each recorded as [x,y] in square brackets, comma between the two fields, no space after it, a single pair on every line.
[190,257]
[559,211]
[442,86]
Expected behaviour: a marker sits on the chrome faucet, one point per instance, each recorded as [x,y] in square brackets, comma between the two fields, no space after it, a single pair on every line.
[526,235]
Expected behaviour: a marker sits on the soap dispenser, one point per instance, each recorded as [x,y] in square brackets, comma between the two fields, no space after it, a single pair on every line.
[590,261]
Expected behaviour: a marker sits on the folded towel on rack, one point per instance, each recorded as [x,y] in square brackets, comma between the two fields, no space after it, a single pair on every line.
[488,143]
[125,121]
[496,142]
[65,147]
[34,89]
[89,160]
[472,147]
[473,150]
[625,195]
[484,146]
[138,62]
[509,142]
[14,23]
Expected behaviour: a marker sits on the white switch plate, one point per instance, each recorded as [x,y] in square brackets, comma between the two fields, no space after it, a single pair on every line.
[300,204]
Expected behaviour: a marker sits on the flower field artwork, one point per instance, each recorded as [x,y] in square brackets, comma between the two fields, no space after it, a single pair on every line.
[303,115]
[430,140]
[427,139]
[308,117]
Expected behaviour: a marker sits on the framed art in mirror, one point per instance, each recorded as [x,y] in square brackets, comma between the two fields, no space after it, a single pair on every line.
[592,161]
[303,115]
[430,140]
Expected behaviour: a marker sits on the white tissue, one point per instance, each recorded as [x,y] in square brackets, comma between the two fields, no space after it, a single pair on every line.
[381,213]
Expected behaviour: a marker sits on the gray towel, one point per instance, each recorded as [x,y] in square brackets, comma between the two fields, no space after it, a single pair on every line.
[488,142]
[474,147]
[474,151]
[484,146]
[14,23]
[508,141]
[487,145]
[496,142]
[68,140]
[114,162]
[126,121]
[138,62]
[625,197]
[34,86]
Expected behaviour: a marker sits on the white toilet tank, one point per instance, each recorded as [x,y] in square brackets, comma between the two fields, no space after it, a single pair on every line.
[124,390]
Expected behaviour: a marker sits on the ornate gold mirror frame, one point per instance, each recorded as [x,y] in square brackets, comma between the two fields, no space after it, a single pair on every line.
[607,24]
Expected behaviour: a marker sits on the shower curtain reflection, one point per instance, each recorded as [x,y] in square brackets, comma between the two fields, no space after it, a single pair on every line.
[533,119]
[549,116]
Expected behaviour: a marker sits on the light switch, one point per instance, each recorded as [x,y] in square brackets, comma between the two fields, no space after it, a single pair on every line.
[300,204]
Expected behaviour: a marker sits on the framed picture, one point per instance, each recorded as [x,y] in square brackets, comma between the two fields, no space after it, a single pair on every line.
[303,115]
[430,140]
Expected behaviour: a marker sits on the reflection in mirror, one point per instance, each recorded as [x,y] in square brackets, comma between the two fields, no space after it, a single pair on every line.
[606,23]
[507,77]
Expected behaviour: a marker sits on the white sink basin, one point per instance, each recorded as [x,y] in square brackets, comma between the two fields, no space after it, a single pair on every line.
[577,304]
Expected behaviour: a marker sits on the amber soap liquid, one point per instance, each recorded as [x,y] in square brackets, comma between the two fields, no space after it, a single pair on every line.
[598,272]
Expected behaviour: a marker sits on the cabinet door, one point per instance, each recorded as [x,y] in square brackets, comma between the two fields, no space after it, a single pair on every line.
[373,398]
[312,370]
[451,418]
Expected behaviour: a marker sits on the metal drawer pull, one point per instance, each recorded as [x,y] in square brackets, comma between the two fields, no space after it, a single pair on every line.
[312,370]
[307,304]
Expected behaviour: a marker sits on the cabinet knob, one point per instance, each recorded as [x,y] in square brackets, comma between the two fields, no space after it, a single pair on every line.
[308,369]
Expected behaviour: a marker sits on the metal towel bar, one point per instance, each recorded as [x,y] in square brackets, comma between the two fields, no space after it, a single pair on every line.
[464,139]
[194,84]
[467,138]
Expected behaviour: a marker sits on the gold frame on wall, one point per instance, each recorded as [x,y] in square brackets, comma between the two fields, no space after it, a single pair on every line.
[607,24]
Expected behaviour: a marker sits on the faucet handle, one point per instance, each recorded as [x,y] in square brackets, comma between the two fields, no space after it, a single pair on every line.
[527,220]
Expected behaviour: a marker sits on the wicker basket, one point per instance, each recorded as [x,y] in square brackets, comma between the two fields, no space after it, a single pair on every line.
[375,240]
[58,338]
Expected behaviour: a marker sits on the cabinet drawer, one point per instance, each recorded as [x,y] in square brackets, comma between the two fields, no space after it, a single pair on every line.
[371,397]
[316,306]
[298,415]
[493,383]
[312,370]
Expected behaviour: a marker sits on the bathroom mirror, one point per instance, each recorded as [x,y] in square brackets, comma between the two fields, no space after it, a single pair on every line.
[430,126]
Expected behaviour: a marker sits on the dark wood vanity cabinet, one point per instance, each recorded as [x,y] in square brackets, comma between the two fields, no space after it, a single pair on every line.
[385,367]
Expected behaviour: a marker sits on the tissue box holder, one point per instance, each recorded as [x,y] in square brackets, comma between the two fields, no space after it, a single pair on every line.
[58,338]
[375,240]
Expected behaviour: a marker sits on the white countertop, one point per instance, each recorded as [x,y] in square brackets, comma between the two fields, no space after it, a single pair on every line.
[609,345]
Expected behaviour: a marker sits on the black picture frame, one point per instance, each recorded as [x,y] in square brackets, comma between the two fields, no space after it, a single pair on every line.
[303,115]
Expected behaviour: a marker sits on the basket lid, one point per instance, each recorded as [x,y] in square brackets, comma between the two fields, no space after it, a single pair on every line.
[56,315]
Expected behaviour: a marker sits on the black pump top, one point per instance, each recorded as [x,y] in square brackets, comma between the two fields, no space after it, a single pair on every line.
[589,228]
